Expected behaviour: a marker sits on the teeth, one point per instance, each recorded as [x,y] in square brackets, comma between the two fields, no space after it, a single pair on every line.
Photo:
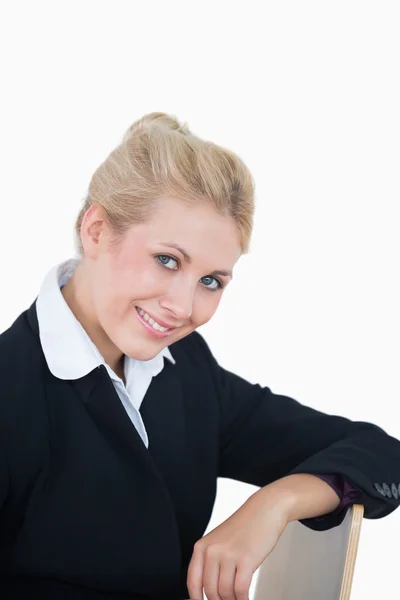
[152,322]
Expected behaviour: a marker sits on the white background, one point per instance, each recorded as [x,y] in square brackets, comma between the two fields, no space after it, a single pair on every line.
[308,94]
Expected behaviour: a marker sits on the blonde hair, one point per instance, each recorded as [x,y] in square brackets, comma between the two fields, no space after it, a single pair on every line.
[160,156]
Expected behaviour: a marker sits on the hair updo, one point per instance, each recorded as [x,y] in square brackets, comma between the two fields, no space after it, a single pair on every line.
[159,156]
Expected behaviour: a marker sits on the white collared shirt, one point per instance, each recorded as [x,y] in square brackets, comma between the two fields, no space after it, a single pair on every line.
[71,354]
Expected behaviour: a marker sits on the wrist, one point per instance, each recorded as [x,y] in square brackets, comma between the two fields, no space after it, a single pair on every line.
[274,503]
[279,500]
[299,496]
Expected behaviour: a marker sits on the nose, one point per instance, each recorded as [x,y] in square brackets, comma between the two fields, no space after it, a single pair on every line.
[179,302]
[182,310]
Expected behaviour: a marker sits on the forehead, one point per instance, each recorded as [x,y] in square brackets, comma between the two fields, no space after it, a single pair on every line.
[198,229]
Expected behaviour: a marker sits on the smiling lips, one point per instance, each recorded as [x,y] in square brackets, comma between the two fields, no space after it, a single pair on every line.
[158,329]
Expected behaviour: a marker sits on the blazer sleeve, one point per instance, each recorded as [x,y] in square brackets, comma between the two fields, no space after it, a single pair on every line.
[266,436]
[3,479]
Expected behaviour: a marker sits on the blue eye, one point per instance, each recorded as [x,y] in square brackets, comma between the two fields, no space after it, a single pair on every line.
[167,258]
[217,281]
[164,264]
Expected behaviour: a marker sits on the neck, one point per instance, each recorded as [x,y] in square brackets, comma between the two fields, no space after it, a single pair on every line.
[77,295]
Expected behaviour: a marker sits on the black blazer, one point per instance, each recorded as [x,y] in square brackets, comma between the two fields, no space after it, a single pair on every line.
[86,511]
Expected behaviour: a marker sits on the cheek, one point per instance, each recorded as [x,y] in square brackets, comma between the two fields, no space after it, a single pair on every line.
[109,294]
[205,307]
[140,280]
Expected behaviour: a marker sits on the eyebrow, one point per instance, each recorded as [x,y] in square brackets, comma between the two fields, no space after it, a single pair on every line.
[189,260]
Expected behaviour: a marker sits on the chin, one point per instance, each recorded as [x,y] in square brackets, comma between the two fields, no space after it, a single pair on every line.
[141,354]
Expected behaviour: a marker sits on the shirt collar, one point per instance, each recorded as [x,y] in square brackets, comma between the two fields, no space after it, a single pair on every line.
[69,351]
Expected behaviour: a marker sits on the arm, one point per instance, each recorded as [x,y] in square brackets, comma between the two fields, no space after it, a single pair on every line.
[265,437]
[301,496]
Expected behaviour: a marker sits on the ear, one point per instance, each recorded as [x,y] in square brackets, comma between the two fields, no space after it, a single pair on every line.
[94,232]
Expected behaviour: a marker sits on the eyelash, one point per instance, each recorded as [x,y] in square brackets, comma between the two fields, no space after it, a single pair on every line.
[219,282]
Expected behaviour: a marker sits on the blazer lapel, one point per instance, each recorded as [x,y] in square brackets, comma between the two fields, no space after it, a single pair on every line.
[163,414]
[104,406]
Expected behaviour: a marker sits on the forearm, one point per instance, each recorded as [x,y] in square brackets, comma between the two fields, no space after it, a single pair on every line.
[299,496]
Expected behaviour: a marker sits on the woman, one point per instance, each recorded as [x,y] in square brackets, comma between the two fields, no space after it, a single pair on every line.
[116,420]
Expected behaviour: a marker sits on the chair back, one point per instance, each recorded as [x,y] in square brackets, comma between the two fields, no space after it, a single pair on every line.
[312,565]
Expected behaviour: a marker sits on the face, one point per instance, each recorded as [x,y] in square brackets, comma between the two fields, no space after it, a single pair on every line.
[171,270]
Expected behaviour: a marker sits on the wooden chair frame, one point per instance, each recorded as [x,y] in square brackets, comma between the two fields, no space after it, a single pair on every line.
[312,565]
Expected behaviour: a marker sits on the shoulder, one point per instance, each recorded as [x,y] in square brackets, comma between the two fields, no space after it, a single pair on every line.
[24,420]
[20,348]
[22,367]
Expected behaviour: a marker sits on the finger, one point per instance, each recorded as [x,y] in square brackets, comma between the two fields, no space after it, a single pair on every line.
[195,575]
[211,574]
[227,574]
[244,575]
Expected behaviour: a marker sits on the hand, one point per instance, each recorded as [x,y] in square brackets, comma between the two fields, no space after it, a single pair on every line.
[224,561]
